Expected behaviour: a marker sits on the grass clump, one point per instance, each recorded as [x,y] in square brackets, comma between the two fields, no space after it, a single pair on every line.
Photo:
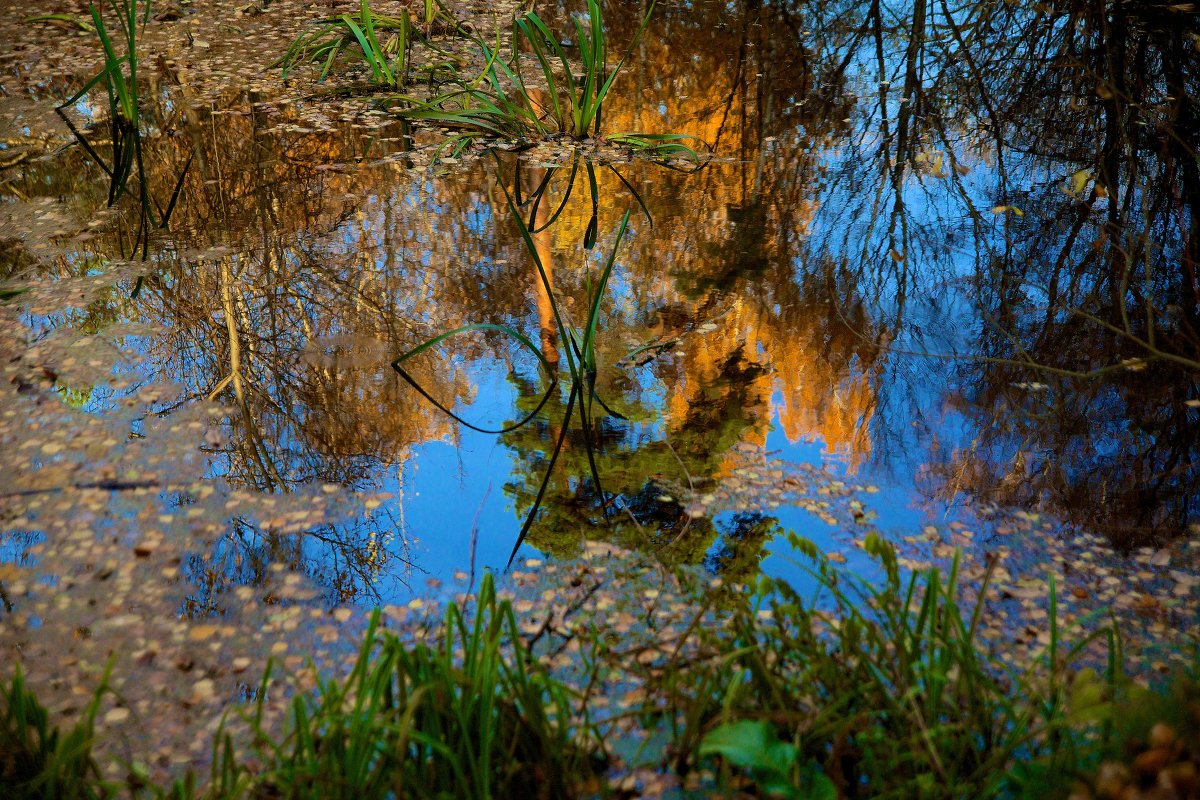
[889,691]
[37,759]
[561,98]
[119,77]
[471,715]
[892,696]
[381,41]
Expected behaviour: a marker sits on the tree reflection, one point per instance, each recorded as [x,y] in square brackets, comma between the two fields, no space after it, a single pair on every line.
[1013,186]
[1096,143]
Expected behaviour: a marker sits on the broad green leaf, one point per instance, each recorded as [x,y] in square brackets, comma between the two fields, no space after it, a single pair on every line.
[750,744]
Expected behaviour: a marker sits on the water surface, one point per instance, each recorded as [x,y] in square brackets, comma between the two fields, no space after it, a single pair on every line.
[941,270]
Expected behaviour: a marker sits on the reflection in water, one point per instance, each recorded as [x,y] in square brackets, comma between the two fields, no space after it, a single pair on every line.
[1031,210]
[1015,187]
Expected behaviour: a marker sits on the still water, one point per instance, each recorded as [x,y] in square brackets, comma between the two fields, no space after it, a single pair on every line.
[939,274]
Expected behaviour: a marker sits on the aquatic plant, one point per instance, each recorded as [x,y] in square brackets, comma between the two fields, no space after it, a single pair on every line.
[119,77]
[502,103]
[388,61]
[580,351]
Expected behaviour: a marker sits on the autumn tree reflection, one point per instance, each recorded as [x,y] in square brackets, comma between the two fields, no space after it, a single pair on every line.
[1009,188]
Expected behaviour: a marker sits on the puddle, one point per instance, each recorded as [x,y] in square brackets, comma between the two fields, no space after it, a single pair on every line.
[873,309]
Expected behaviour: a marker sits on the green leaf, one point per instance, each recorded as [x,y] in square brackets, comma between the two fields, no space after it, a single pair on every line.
[750,744]
[753,745]
[816,785]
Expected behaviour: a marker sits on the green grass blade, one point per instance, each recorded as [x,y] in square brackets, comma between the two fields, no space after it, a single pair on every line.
[112,69]
[374,54]
[595,68]
[334,49]
[399,65]
[533,36]
[365,45]
[589,334]
[449,119]
[568,80]
[602,92]
[68,18]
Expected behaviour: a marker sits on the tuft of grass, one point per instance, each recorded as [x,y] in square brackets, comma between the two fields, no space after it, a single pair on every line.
[383,42]
[380,41]
[37,760]
[471,715]
[576,101]
[119,77]
[890,688]
[565,99]
[892,696]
